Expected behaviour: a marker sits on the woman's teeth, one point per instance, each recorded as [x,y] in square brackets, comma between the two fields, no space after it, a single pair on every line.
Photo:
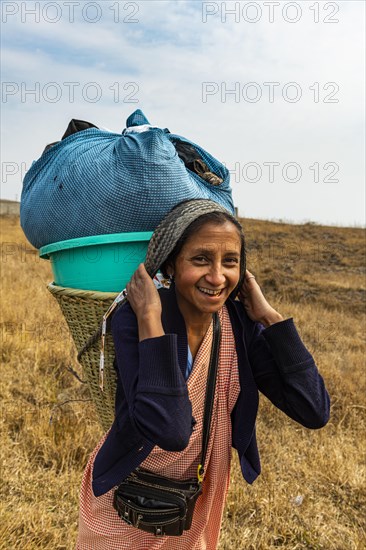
[210,292]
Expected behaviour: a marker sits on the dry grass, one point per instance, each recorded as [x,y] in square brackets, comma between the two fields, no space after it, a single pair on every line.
[311,493]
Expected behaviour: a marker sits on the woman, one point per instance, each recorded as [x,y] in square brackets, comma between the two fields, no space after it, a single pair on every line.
[163,341]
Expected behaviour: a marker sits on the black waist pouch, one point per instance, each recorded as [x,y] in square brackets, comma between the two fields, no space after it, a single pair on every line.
[157,504]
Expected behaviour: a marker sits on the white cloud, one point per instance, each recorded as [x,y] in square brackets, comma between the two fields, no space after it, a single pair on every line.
[169,54]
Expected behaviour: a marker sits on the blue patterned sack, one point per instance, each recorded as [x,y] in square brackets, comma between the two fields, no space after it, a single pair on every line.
[95,182]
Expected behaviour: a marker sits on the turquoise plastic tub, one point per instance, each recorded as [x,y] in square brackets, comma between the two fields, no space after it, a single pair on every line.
[103,262]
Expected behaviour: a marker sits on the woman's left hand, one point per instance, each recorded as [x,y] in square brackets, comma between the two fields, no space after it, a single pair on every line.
[255,304]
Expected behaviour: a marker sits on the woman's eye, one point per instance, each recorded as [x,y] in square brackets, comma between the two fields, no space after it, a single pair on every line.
[232,260]
[204,260]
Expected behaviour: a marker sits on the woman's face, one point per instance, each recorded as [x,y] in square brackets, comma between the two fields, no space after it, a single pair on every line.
[207,269]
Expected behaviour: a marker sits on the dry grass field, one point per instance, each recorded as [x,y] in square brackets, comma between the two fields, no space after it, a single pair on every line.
[311,493]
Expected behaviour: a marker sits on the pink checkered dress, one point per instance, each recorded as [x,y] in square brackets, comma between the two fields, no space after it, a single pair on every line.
[100,528]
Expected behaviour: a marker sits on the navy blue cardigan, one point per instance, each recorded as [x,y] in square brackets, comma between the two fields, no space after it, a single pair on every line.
[152,404]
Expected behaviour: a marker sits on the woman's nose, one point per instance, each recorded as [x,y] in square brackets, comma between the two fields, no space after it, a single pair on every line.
[215,276]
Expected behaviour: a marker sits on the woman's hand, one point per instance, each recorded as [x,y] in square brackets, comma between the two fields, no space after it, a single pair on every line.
[255,304]
[145,302]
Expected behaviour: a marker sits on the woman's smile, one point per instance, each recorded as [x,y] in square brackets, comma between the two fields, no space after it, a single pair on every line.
[210,292]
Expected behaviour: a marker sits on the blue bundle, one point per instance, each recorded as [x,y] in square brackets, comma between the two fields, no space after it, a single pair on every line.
[94,182]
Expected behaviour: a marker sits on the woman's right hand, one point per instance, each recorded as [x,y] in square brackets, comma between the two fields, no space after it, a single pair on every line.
[145,302]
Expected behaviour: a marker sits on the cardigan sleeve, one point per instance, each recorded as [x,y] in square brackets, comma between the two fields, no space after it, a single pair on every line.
[154,386]
[285,372]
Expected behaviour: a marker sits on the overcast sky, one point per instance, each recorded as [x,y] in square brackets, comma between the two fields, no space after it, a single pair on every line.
[275,90]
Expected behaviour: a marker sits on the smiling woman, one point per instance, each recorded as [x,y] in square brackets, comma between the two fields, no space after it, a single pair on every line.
[168,342]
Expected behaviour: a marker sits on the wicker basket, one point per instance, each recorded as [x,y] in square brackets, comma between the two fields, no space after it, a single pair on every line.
[83,311]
